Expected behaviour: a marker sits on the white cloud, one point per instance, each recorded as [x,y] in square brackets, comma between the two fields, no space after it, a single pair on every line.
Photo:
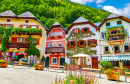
[100,1]
[82,1]
[125,11]
[99,5]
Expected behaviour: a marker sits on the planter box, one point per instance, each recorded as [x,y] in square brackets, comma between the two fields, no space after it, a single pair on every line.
[113,77]
[3,65]
[39,68]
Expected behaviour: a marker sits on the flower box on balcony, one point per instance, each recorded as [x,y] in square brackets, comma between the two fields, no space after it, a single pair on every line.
[92,45]
[59,36]
[107,52]
[117,51]
[52,36]
[127,51]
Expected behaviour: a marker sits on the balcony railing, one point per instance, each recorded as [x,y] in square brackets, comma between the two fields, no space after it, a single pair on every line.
[55,50]
[116,37]
[17,45]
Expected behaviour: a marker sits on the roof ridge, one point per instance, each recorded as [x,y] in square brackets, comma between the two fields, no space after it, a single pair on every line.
[8,13]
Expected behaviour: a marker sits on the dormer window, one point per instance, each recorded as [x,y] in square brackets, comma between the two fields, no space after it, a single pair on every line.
[8,20]
[108,24]
[53,34]
[26,21]
[59,34]
[77,30]
[119,22]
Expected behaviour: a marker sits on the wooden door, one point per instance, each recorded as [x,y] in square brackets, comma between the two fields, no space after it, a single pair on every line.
[47,60]
[95,62]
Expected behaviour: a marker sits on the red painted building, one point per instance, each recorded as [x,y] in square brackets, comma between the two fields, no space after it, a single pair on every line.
[55,45]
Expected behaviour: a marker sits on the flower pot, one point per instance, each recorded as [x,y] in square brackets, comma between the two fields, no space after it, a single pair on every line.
[3,65]
[113,77]
[39,68]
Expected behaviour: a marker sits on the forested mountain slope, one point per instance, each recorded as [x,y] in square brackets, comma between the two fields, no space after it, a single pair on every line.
[49,11]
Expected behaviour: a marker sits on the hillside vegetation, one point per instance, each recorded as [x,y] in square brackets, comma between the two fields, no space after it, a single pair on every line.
[49,11]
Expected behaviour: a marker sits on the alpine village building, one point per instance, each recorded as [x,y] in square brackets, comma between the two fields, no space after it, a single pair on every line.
[114,42]
[19,42]
[111,39]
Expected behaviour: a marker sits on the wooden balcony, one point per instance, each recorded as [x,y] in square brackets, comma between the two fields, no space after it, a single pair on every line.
[23,33]
[53,50]
[17,45]
[116,37]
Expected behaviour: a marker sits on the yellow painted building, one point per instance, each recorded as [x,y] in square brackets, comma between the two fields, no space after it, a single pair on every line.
[24,20]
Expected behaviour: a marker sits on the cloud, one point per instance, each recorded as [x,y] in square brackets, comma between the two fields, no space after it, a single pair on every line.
[100,1]
[99,5]
[87,1]
[125,11]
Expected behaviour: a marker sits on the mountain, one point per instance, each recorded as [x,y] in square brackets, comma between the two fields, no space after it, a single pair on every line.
[50,11]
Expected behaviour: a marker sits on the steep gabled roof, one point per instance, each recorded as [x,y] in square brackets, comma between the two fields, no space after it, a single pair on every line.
[113,15]
[80,19]
[55,25]
[8,13]
[27,15]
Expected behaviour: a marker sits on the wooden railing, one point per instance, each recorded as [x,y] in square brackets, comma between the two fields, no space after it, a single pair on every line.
[116,37]
[17,45]
[55,50]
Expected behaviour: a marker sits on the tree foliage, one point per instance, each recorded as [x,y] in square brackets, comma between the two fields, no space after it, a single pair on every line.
[49,11]
[77,50]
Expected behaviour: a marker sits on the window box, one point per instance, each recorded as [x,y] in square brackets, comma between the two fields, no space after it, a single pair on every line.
[117,51]
[93,45]
[127,51]
[59,36]
[107,52]
[52,37]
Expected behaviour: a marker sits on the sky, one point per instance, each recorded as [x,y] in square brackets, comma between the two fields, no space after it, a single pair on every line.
[121,7]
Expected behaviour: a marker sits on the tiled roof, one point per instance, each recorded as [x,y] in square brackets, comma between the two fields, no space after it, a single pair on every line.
[8,13]
[56,23]
[113,15]
[27,14]
[80,19]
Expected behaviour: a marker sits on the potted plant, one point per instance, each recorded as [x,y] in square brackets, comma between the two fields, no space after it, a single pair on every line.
[112,74]
[38,66]
[3,63]
[58,36]
[52,36]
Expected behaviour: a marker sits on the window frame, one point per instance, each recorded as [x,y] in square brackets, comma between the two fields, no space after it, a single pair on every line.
[58,44]
[117,22]
[104,48]
[48,44]
[21,38]
[52,60]
[25,25]
[53,33]
[8,20]
[8,24]
[71,42]
[116,45]
[103,33]
[33,26]
[59,34]
[127,45]
[106,24]
[26,21]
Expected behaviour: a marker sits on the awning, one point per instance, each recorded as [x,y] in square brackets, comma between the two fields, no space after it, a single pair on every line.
[115,58]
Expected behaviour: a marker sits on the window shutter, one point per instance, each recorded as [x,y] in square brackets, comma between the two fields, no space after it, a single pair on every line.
[78,43]
[0,41]
[30,26]
[14,39]
[78,30]
[38,39]
[74,43]
[96,42]
[37,26]
[3,25]
[73,31]
[26,40]
[82,30]
[84,43]
[12,25]
[89,42]
[68,44]
[88,29]
[21,26]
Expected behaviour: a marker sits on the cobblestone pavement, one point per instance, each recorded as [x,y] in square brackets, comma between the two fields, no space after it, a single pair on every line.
[24,75]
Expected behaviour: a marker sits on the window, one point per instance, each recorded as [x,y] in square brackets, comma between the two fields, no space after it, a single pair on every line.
[126,63]
[116,48]
[85,29]
[59,44]
[81,42]
[127,32]
[53,34]
[50,45]
[72,61]
[127,47]
[103,35]
[33,27]
[115,63]
[8,25]
[8,20]
[108,24]
[54,60]
[106,48]
[92,42]
[59,33]
[76,31]
[20,39]
[119,22]
[72,43]
[0,25]
[26,21]
[83,61]
[25,26]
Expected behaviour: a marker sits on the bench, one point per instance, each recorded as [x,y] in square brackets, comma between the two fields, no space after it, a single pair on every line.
[91,70]
[17,63]
[126,73]
[59,67]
